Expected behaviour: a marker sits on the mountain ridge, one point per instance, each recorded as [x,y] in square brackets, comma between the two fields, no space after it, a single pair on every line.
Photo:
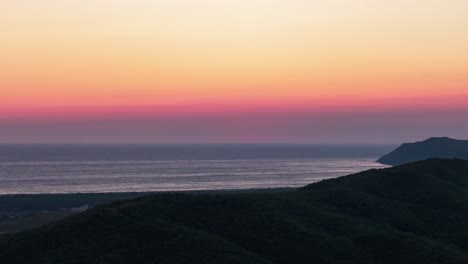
[435,147]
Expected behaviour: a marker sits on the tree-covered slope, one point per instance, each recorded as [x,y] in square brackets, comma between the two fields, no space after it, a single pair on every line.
[415,213]
[442,147]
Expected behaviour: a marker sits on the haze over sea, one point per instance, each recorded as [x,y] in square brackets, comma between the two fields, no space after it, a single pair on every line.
[142,168]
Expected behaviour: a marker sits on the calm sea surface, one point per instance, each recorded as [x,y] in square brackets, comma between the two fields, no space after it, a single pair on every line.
[129,168]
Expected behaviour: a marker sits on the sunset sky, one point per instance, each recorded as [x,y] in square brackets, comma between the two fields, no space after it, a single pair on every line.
[212,71]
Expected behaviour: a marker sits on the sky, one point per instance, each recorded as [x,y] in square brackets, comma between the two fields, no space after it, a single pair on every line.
[230,71]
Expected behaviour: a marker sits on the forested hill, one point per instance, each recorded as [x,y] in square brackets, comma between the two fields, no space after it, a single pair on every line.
[414,213]
[441,147]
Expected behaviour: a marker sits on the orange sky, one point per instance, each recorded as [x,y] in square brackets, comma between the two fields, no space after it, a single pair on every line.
[69,59]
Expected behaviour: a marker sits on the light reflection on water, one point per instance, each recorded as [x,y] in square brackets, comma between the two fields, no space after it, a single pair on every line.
[131,168]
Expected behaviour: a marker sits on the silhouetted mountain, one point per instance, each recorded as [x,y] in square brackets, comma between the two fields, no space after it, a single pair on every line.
[442,147]
[414,213]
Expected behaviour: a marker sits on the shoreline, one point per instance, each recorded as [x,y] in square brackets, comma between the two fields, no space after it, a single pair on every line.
[203,191]
[64,201]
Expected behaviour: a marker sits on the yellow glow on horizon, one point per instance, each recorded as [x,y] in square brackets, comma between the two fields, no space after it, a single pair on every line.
[168,49]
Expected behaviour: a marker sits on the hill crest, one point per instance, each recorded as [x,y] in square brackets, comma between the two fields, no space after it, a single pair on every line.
[435,147]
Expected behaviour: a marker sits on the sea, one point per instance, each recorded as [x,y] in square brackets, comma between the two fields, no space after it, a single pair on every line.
[41,169]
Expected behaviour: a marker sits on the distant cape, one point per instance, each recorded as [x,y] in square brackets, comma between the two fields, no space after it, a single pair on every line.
[436,147]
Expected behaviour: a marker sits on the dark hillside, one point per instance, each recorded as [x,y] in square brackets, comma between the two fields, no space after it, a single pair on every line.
[442,147]
[415,213]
